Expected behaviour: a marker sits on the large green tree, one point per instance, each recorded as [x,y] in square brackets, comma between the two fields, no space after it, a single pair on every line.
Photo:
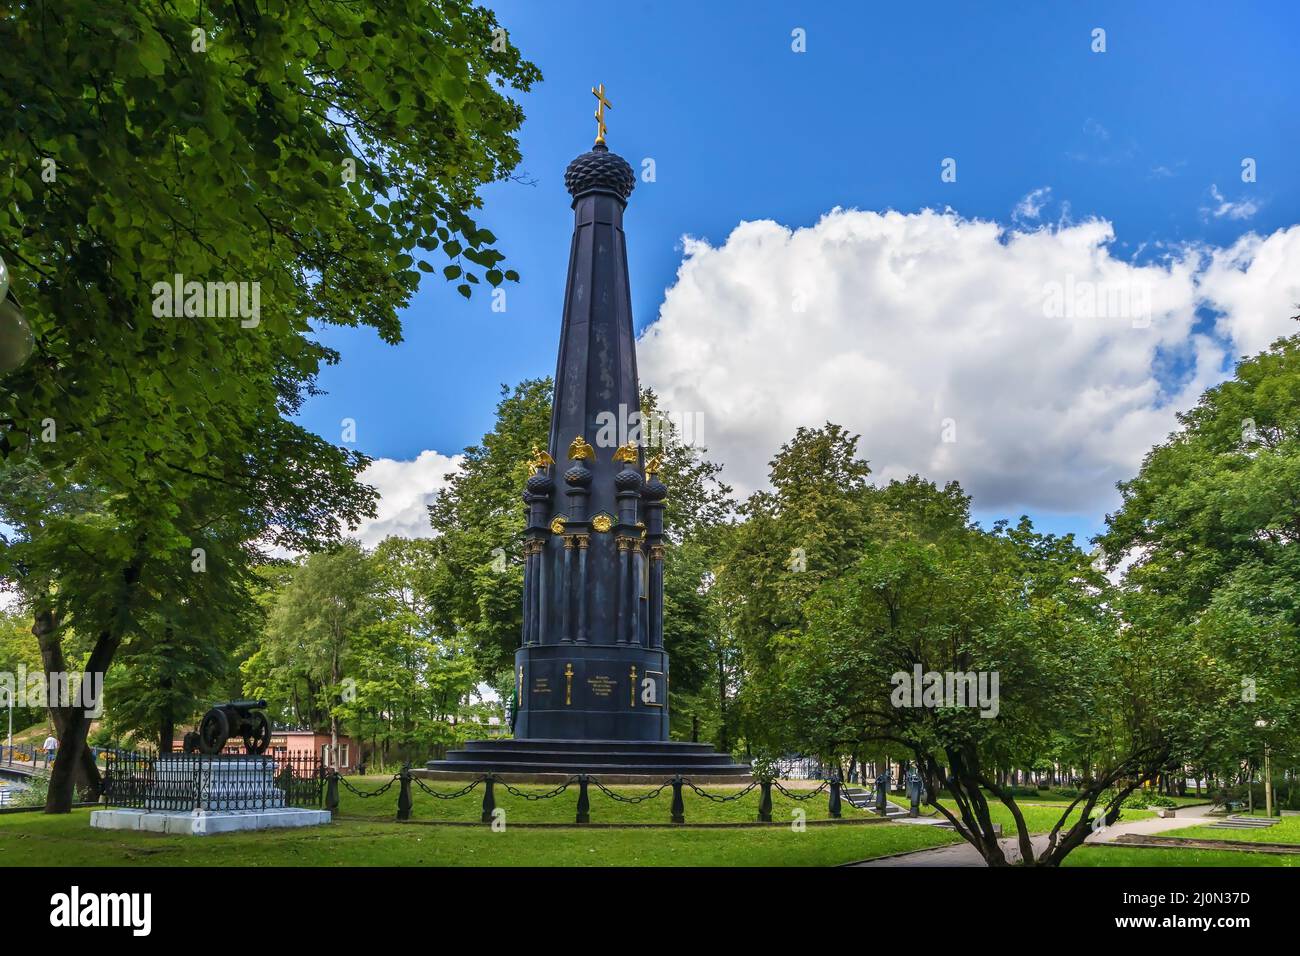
[793,537]
[312,632]
[310,157]
[412,681]
[840,591]
[1210,532]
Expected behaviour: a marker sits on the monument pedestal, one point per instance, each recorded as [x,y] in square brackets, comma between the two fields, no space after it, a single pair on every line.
[201,795]
[205,822]
[613,761]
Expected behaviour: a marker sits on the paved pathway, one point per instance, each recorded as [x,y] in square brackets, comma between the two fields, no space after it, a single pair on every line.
[963,854]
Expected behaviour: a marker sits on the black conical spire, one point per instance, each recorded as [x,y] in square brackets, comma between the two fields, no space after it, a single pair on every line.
[591,674]
[593,633]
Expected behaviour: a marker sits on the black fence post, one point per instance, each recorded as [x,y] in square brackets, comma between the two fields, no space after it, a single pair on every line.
[489,798]
[584,804]
[834,807]
[765,801]
[679,808]
[404,794]
[332,792]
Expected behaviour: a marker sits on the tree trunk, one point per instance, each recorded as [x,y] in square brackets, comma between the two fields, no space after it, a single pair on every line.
[74,761]
[78,769]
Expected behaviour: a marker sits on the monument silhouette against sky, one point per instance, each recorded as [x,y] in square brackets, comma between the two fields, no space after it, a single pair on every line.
[592,677]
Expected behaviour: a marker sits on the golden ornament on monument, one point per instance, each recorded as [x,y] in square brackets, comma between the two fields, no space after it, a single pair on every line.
[580,449]
[540,460]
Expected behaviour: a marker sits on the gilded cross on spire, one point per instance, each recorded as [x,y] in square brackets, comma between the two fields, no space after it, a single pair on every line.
[602,105]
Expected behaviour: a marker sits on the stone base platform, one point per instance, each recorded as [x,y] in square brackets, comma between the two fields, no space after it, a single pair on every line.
[612,761]
[206,822]
[640,779]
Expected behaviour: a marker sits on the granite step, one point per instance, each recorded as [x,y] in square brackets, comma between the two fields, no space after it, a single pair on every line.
[866,800]
[587,746]
[653,759]
[1244,823]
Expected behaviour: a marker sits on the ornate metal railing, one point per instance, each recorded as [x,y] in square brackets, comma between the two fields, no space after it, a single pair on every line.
[181,781]
[26,756]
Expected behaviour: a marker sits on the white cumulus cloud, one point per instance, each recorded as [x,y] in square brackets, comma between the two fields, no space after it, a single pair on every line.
[1255,284]
[406,489]
[1051,364]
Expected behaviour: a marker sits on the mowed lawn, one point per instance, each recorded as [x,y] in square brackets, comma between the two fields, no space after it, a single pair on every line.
[67,840]
[1141,857]
[366,834]
[1286,830]
[604,809]
[563,807]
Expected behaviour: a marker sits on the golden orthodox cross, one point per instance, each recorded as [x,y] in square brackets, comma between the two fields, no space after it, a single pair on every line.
[602,104]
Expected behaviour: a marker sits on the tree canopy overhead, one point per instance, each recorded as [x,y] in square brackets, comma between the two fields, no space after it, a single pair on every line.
[302,163]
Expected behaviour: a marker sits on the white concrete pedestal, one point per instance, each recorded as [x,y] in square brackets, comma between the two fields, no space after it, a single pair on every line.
[206,822]
[224,795]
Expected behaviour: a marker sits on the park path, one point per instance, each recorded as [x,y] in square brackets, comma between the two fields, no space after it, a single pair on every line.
[963,854]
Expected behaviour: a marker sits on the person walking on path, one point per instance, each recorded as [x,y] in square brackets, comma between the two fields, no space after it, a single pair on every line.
[51,748]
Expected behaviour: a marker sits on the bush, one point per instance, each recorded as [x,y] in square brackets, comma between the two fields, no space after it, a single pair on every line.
[38,787]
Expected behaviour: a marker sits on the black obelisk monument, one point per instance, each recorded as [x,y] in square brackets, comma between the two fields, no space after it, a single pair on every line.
[591,673]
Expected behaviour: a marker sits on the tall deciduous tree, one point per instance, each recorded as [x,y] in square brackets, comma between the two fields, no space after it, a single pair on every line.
[896,579]
[312,632]
[299,162]
[1210,531]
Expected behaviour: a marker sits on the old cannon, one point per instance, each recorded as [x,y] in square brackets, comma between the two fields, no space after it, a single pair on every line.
[236,718]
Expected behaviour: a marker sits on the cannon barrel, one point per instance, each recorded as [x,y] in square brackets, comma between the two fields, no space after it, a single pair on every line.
[245,704]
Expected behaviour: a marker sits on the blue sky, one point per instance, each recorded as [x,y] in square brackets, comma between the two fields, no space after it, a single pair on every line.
[742,128]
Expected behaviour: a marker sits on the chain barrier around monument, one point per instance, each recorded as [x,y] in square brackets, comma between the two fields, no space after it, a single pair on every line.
[677,783]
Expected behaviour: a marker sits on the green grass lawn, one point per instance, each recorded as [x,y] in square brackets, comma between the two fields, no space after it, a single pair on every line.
[355,840]
[68,840]
[1141,857]
[365,833]
[563,808]
[1287,830]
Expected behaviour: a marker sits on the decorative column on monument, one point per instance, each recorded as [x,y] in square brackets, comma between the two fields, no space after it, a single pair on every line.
[591,671]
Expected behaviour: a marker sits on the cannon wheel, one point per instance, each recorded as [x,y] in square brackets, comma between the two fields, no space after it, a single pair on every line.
[258,737]
[214,731]
[190,743]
